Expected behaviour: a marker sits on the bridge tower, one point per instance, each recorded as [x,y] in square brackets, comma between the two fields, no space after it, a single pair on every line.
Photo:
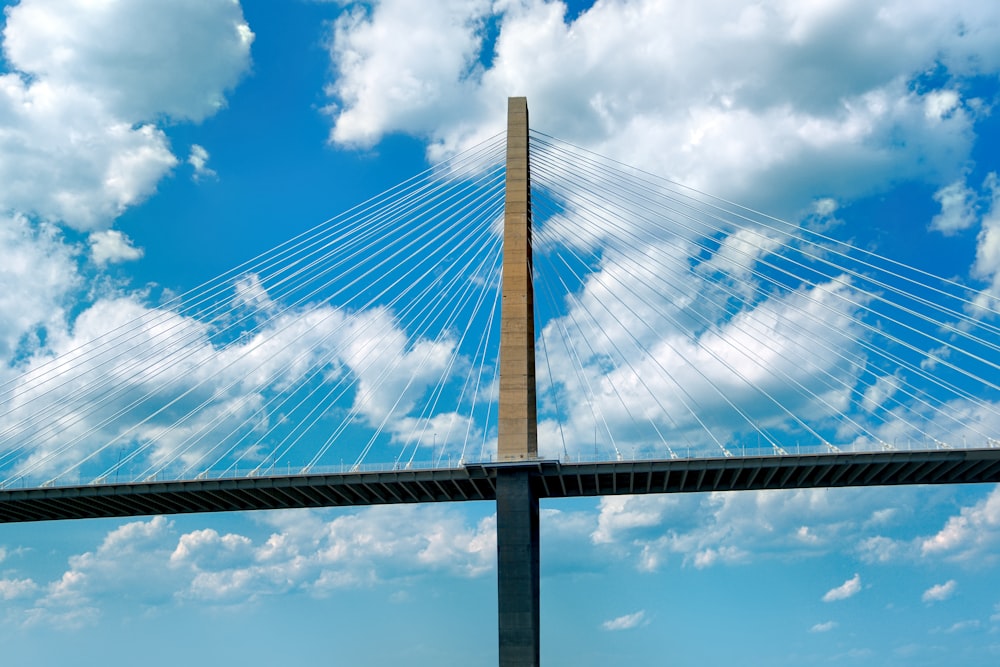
[517,445]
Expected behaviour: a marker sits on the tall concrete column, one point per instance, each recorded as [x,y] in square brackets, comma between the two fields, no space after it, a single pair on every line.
[518,423]
[517,501]
[518,569]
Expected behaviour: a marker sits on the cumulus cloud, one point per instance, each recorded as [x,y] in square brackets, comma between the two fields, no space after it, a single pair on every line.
[111,246]
[198,159]
[787,107]
[958,208]
[727,529]
[962,626]
[87,85]
[626,622]
[141,59]
[126,566]
[729,555]
[400,65]
[149,563]
[743,96]
[987,264]
[621,514]
[373,544]
[207,548]
[823,627]
[11,589]
[969,535]
[636,372]
[940,592]
[176,392]
[40,277]
[881,549]
[66,159]
[85,88]
[848,589]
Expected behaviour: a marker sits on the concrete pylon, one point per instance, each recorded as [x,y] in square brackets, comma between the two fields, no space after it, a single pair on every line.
[518,565]
[517,418]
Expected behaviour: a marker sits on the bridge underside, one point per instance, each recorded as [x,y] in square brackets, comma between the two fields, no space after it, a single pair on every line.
[551,479]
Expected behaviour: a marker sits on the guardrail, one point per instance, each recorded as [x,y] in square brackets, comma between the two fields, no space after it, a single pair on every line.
[444,462]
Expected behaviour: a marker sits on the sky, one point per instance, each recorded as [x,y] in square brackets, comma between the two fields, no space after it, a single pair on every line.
[147,147]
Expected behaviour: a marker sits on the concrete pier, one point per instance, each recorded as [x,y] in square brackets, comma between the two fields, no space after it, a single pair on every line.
[517,568]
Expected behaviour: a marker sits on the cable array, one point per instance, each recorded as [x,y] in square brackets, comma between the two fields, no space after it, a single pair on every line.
[670,323]
[684,324]
[356,338]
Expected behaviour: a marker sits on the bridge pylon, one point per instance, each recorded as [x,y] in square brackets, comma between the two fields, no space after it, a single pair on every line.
[517,420]
[518,569]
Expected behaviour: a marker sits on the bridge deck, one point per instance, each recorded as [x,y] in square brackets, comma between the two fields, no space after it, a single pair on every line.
[478,482]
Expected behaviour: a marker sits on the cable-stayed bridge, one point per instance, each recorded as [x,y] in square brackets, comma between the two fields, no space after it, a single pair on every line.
[390,355]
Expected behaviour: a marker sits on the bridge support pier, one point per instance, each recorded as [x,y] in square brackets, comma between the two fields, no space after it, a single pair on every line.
[518,568]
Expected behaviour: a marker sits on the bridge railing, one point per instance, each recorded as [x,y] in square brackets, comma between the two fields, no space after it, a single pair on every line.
[446,462]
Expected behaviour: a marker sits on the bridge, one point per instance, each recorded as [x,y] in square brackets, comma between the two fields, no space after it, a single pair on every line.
[478,481]
[686,344]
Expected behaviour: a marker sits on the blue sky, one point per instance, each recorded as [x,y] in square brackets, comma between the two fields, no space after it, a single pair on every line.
[147,147]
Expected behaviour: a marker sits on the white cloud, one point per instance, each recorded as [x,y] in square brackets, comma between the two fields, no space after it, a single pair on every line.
[309,553]
[958,208]
[713,529]
[970,535]
[89,82]
[182,393]
[127,566]
[393,371]
[111,246]
[11,589]
[626,622]
[85,85]
[251,293]
[147,564]
[848,589]
[142,59]
[206,548]
[881,549]
[198,159]
[939,592]
[729,555]
[987,264]
[882,516]
[402,65]
[640,367]
[736,108]
[878,393]
[446,430]
[619,514]
[786,107]
[939,104]
[823,627]
[39,276]
[963,626]
[64,158]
